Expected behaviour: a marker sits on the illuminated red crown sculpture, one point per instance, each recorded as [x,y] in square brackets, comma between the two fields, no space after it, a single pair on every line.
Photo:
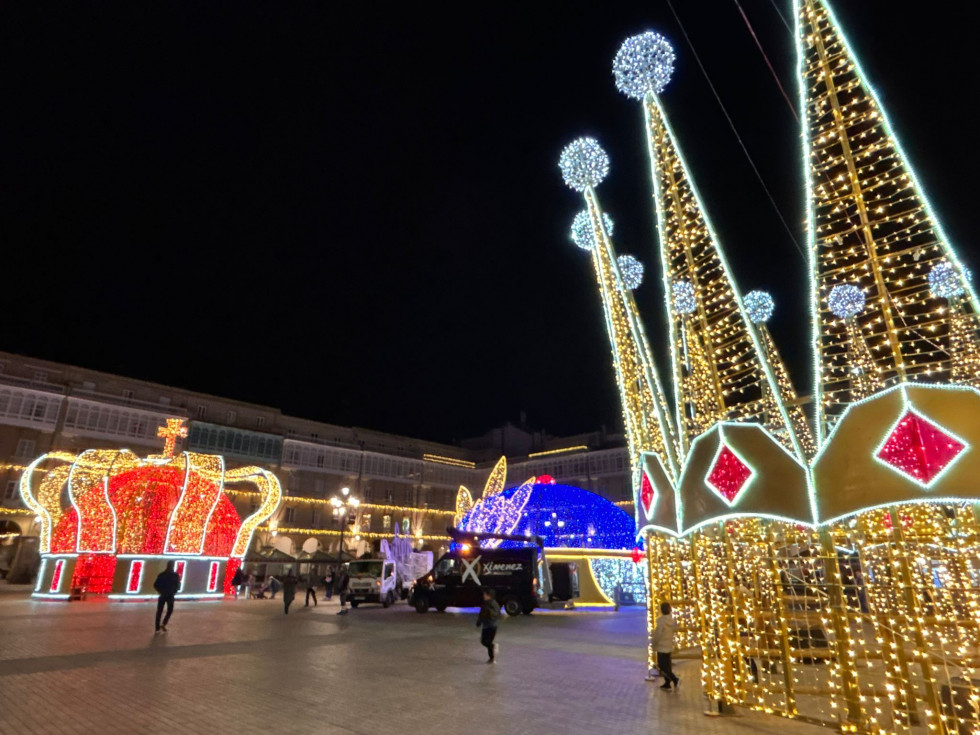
[128,516]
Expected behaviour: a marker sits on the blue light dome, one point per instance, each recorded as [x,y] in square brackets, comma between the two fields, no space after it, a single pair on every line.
[563,515]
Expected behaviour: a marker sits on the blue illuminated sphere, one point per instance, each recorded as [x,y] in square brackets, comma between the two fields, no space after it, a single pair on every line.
[587,520]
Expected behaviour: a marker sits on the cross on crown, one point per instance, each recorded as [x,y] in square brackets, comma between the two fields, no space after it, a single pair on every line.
[175,428]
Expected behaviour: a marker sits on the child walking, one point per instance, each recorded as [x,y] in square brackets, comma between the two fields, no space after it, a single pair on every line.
[487,619]
[663,644]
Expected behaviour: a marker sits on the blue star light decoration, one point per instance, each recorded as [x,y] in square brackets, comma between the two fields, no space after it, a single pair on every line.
[846,300]
[758,306]
[583,234]
[583,163]
[643,65]
[630,271]
[945,282]
[683,297]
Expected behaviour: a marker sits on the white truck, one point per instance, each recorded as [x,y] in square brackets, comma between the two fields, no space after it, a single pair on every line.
[373,580]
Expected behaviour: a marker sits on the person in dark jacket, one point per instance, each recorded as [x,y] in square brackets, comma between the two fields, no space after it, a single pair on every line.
[487,620]
[343,582]
[238,581]
[328,583]
[311,583]
[289,583]
[167,584]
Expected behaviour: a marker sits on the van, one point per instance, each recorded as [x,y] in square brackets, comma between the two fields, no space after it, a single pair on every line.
[372,580]
[459,578]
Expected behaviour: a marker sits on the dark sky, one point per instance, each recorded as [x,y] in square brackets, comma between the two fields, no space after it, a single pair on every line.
[353,211]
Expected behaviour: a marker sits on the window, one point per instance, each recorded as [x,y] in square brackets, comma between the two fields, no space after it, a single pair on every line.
[290,515]
[88,385]
[127,394]
[11,492]
[260,422]
[386,523]
[231,416]
[40,376]
[315,518]
[25,448]
[164,401]
[366,522]
[202,411]
[406,525]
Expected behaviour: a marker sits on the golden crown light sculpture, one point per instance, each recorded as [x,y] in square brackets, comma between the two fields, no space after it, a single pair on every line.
[127,516]
[826,571]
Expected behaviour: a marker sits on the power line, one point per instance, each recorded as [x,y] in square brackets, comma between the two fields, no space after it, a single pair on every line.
[731,124]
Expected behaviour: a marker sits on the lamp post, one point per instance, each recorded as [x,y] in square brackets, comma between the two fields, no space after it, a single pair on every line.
[341,507]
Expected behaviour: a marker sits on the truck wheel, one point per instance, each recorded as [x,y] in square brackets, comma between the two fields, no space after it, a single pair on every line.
[512,606]
[354,603]
[441,607]
[421,605]
[528,607]
[389,598]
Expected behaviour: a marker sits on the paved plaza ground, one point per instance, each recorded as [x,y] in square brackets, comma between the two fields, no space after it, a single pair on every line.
[244,667]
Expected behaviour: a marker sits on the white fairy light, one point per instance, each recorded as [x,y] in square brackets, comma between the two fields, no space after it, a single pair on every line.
[583,163]
[758,306]
[643,64]
[630,271]
[846,300]
[582,232]
[683,297]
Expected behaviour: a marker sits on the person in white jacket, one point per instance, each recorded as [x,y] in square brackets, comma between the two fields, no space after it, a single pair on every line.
[663,644]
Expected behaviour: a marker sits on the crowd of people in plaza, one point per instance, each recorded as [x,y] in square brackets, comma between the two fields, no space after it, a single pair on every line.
[247,586]
[334,580]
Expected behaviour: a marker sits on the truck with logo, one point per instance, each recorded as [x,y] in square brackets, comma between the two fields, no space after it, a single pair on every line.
[373,580]
[460,576]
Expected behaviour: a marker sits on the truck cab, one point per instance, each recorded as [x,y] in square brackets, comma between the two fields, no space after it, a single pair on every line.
[460,576]
[372,580]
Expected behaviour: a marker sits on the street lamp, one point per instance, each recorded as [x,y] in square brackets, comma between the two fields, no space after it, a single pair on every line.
[343,506]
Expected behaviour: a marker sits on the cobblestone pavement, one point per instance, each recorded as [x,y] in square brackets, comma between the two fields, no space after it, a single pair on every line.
[244,667]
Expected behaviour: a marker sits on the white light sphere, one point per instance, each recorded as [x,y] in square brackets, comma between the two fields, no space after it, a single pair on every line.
[583,233]
[583,163]
[630,271]
[683,297]
[758,306]
[944,281]
[846,300]
[643,64]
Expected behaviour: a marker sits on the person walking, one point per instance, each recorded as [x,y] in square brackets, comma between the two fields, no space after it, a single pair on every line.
[167,584]
[249,585]
[273,585]
[663,644]
[310,589]
[238,581]
[487,620]
[328,584]
[343,582]
[289,583]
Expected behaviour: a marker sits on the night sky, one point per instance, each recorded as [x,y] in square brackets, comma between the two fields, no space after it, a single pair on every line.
[354,212]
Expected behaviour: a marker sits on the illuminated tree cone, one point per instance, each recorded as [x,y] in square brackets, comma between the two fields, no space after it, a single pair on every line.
[963,347]
[645,408]
[869,224]
[740,379]
[788,397]
[865,378]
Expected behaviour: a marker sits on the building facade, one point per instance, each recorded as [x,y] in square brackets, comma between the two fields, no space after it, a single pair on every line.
[404,484]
